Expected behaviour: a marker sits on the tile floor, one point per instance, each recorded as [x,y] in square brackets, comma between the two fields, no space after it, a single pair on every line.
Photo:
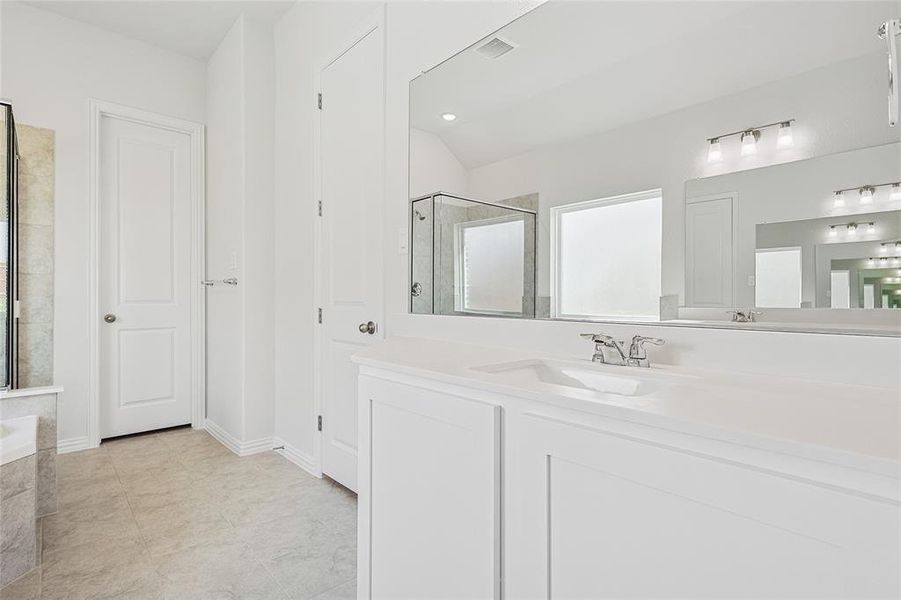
[175,515]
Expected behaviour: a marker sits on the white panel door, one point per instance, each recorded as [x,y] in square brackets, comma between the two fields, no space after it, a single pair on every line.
[708,253]
[145,257]
[351,150]
[432,489]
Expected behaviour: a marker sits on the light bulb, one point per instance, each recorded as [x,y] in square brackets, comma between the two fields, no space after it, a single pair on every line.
[871,263]
[785,138]
[852,228]
[749,142]
[883,262]
[449,116]
[833,231]
[714,151]
[838,200]
[871,228]
[866,195]
[883,248]
[895,194]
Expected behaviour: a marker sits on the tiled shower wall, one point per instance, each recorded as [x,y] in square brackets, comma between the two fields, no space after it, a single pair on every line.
[35,227]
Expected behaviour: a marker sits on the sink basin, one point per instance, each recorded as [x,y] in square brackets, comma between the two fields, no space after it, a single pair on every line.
[606,379]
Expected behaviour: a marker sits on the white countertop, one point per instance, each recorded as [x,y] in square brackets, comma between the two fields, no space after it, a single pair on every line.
[852,426]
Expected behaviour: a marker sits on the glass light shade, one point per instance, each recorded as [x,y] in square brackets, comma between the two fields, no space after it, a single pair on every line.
[838,200]
[852,228]
[883,261]
[449,116]
[785,139]
[866,195]
[895,194]
[883,248]
[748,143]
[871,228]
[833,231]
[714,151]
[871,263]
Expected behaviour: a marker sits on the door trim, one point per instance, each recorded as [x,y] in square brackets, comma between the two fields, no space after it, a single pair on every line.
[196,131]
[364,28]
[733,198]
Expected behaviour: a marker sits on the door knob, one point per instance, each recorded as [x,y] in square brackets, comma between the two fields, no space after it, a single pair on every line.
[109,318]
[367,328]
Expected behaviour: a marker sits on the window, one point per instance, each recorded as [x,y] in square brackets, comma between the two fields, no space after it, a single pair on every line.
[778,278]
[489,270]
[606,257]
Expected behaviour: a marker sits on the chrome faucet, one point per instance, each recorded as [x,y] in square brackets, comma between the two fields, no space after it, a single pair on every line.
[637,357]
[601,341]
[743,316]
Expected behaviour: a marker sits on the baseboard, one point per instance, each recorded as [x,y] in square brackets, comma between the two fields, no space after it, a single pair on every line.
[301,459]
[73,445]
[234,444]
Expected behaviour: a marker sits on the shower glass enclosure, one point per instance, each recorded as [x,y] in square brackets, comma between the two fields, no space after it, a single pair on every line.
[9,178]
[471,257]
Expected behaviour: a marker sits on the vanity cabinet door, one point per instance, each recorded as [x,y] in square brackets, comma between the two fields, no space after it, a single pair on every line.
[613,515]
[430,495]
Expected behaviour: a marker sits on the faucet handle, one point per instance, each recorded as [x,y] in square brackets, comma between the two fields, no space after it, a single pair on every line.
[597,338]
[637,351]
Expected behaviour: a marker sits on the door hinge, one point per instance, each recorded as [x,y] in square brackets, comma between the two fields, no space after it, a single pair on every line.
[319,423]
[320,208]
[319,318]
[319,101]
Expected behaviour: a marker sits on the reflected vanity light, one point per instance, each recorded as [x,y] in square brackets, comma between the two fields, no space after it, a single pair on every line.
[833,230]
[871,228]
[851,228]
[714,152]
[871,262]
[749,138]
[895,194]
[866,194]
[785,139]
[885,246]
[749,142]
[449,116]
[838,199]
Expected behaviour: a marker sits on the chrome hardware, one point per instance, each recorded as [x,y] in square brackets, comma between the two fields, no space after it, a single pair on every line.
[226,281]
[416,289]
[743,316]
[638,356]
[109,318]
[888,31]
[369,328]
[601,341]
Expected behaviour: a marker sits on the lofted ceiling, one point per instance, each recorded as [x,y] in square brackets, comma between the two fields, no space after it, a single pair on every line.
[190,27]
[585,67]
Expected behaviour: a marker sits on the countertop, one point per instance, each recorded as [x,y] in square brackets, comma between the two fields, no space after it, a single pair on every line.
[851,426]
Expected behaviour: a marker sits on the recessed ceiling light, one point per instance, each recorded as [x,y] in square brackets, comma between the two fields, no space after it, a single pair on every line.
[449,116]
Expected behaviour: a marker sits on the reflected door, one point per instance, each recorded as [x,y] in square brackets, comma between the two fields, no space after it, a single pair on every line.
[145,238]
[708,252]
[350,243]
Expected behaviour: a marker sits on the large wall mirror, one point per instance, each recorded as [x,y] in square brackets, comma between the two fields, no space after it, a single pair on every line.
[689,163]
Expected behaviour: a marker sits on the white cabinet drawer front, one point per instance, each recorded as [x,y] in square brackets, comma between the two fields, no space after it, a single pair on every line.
[434,494]
[613,517]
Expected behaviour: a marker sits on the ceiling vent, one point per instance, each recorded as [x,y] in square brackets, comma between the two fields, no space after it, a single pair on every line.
[495,48]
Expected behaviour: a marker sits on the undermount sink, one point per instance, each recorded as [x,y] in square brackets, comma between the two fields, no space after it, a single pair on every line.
[606,379]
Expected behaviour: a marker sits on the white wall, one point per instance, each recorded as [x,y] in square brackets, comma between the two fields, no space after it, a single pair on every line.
[51,67]
[434,168]
[240,221]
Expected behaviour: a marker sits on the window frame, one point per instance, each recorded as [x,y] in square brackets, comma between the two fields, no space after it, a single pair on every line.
[459,275]
[556,212]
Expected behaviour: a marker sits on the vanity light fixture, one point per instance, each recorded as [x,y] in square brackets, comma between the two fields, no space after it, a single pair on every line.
[749,139]
[784,138]
[866,194]
[871,262]
[851,228]
[714,152]
[883,262]
[449,116]
[884,246]
[871,228]
[749,142]
[833,230]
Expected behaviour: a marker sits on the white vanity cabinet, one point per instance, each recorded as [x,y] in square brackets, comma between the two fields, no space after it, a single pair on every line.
[470,492]
[430,493]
